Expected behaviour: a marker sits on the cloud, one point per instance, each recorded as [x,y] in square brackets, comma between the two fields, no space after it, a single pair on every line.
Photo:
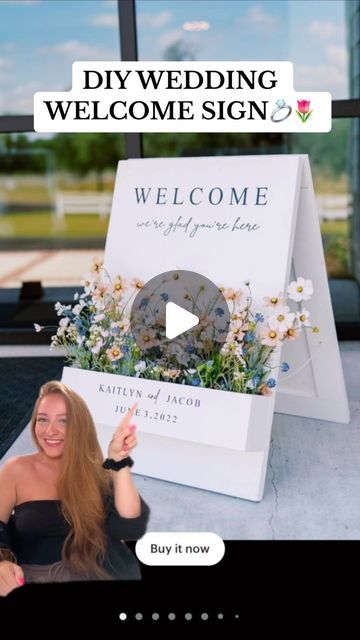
[257,18]
[8,46]
[105,20]
[331,75]
[4,63]
[170,37]
[338,56]
[19,99]
[154,21]
[324,29]
[78,50]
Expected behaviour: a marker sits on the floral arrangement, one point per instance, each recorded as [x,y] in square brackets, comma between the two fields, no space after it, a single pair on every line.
[95,334]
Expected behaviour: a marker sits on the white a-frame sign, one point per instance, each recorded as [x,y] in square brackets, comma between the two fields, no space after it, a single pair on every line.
[232,219]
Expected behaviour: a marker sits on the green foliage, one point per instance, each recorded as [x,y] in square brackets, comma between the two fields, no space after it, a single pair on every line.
[328,152]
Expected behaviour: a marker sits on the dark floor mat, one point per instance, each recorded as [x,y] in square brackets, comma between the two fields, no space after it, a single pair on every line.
[20,381]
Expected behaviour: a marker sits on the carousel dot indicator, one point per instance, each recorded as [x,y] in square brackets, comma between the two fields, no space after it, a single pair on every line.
[188,616]
[139,616]
[171,616]
[123,616]
[204,616]
[220,616]
[155,616]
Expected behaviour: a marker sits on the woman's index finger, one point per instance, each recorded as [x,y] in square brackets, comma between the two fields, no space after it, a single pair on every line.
[125,422]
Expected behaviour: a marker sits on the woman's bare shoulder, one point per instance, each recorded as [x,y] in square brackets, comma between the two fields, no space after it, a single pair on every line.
[10,478]
[19,464]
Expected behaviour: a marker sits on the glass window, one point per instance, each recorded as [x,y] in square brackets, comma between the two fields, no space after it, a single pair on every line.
[312,34]
[39,41]
[330,155]
[55,198]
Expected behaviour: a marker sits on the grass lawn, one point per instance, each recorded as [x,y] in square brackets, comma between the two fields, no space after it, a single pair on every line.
[336,241]
[47,225]
[335,233]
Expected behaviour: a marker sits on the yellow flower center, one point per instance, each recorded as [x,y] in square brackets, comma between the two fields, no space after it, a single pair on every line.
[300,289]
[116,352]
[146,338]
[281,317]
[118,286]
[272,334]
[302,317]
[273,300]
[291,332]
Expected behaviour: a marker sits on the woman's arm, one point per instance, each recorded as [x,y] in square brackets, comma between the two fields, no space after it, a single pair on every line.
[126,497]
[8,488]
[123,528]
[11,575]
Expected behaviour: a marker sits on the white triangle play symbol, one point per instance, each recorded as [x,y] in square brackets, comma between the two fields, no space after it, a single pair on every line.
[178,320]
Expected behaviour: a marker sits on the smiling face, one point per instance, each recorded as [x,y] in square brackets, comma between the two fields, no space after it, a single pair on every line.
[50,425]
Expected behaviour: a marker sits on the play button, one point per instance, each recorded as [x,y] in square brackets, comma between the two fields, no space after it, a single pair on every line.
[179,320]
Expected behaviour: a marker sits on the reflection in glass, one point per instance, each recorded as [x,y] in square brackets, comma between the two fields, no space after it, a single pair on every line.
[39,41]
[55,195]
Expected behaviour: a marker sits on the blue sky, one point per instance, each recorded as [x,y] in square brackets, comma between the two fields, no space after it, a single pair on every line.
[39,39]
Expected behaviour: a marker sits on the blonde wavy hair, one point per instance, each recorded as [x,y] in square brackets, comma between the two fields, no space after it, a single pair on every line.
[82,485]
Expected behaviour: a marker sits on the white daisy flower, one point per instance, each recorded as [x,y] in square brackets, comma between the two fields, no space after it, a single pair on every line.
[300,289]
[303,317]
[271,337]
[282,320]
[114,353]
[274,301]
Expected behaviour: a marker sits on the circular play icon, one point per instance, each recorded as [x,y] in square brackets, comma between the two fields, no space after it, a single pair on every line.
[179,319]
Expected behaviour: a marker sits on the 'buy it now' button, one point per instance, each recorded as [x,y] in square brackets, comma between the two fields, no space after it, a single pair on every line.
[189,548]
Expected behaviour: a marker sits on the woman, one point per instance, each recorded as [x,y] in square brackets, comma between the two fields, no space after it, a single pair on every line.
[64,512]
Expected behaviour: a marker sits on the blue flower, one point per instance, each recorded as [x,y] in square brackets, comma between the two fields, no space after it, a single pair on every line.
[256,380]
[249,337]
[219,311]
[271,383]
[144,302]
[125,348]
[244,350]
[285,367]
[259,317]
[196,382]
[164,297]
[210,363]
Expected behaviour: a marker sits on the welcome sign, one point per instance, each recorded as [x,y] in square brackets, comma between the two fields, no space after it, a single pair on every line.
[232,219]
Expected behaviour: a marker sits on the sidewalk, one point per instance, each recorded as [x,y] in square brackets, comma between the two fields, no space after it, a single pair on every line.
[312,487]
[62,268]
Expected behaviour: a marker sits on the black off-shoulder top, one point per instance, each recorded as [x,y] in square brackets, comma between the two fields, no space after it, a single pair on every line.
[37,529]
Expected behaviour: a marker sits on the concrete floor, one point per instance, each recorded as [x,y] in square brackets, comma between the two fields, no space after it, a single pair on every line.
[312,489]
